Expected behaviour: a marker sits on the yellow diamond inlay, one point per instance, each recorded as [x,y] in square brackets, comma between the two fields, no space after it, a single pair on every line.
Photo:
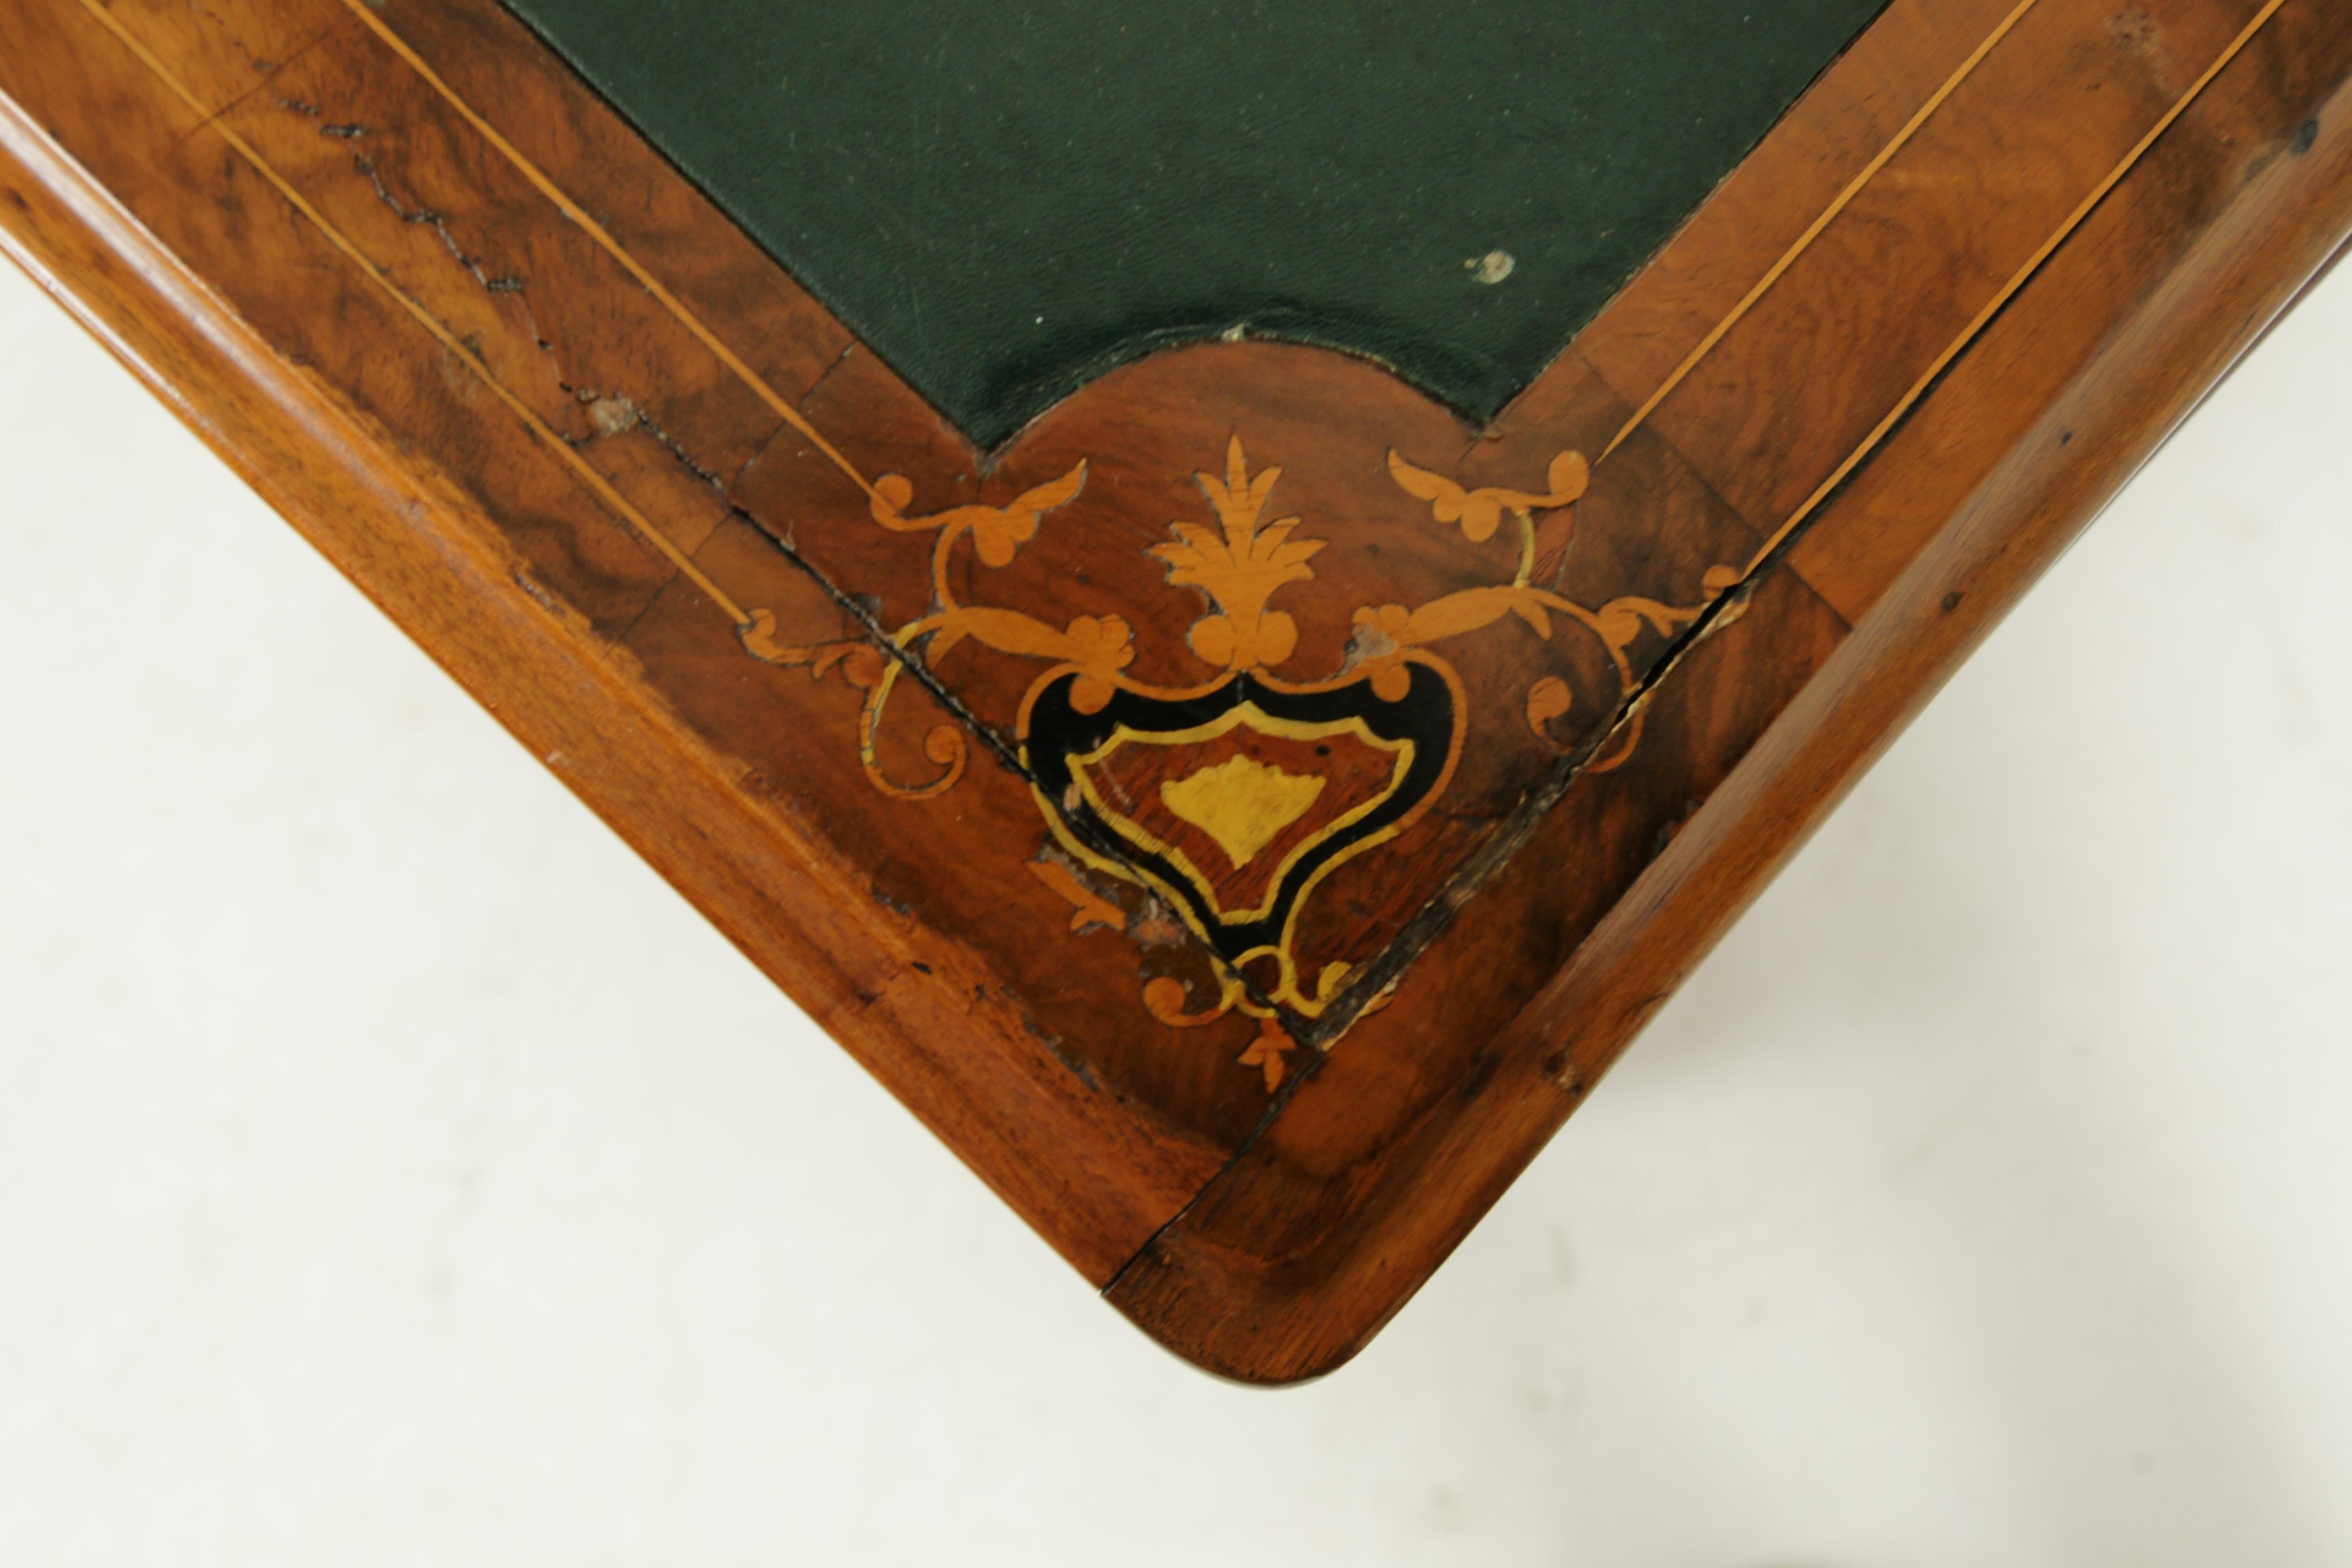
[1242,804]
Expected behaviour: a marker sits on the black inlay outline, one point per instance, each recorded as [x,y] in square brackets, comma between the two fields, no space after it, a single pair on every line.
[1054,733]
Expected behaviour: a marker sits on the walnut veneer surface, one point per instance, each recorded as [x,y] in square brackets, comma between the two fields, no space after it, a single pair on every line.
[1246,813]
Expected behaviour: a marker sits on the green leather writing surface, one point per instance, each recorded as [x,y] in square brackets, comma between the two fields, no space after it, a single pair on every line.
[1006,197]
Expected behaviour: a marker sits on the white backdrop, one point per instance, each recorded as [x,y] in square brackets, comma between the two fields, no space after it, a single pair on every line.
[394,1171]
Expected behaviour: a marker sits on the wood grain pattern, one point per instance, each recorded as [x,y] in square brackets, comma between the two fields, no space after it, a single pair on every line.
[787,631]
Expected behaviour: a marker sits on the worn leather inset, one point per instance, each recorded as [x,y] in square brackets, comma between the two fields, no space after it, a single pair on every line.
[1006,197]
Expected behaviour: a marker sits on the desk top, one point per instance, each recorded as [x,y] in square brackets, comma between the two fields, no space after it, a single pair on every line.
[1245,808]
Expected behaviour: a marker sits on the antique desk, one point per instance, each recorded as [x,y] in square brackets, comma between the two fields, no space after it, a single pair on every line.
[1229,594]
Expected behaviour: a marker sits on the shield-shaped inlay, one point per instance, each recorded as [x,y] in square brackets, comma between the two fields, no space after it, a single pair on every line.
[1233,801]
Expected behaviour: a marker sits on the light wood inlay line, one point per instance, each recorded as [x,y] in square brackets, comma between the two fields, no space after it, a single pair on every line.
[448,340]
[1828,214]
[2008,290]
[597,232]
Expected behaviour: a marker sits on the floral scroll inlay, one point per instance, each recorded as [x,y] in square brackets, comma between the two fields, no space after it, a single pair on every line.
[1217,799]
